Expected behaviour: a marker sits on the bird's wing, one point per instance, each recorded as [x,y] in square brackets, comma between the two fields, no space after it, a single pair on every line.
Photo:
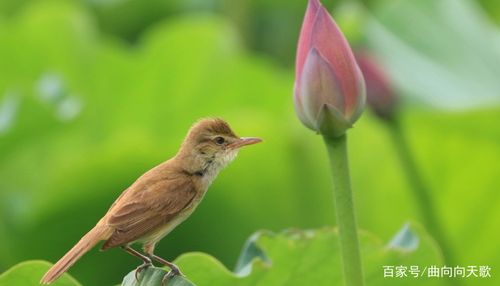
[148,207]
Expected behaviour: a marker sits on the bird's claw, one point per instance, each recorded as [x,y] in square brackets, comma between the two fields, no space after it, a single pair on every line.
[139,269]
[174,271]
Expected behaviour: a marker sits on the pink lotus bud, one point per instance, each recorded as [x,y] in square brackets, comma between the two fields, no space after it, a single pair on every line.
[380,95]
[329,92]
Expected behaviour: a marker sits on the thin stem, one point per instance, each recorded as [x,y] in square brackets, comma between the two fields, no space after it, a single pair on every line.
[344,207]
[419,189]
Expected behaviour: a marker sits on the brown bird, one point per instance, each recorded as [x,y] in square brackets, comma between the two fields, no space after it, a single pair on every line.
[161,198]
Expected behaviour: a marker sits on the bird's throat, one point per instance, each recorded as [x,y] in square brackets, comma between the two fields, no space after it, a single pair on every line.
[214,165]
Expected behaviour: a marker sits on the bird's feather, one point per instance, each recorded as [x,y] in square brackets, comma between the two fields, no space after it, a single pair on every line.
[147,206]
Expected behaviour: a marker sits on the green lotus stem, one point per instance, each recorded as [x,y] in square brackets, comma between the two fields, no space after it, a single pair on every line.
[344,207]
[420,191]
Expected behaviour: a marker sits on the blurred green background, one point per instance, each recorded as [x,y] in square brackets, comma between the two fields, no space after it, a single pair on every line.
[94,93]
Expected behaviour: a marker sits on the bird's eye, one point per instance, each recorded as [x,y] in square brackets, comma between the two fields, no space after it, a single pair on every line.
[219,140]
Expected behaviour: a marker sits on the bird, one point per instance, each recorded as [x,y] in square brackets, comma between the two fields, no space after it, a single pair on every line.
[161,198]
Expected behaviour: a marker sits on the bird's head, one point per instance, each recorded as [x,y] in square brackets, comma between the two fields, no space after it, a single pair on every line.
[211,144]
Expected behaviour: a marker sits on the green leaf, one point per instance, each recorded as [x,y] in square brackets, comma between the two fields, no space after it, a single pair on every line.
[30,272]
[310,257]
[154,276]
[293,257]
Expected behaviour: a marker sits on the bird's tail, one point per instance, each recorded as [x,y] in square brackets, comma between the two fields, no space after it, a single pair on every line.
[85,244]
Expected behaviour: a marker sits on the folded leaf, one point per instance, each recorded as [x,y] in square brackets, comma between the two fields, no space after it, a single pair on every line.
[154,276]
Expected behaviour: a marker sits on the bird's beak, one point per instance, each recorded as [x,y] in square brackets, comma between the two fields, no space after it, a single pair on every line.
[243,141]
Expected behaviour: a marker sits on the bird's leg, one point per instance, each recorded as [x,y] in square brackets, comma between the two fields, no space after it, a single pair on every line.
[174,270]
[146,260]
